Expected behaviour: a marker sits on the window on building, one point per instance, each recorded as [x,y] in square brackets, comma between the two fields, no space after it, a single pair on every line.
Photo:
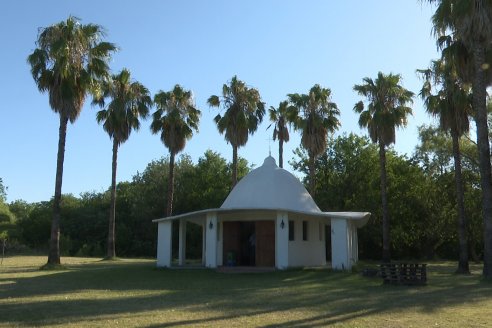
[291,230]
[304,230]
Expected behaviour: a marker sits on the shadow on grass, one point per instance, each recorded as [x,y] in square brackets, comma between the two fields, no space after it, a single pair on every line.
[118,288]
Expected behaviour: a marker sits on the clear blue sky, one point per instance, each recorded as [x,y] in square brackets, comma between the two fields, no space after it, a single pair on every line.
[277,46]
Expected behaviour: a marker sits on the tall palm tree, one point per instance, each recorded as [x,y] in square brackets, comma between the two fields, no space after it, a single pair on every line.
[470,21]
[280,117]
[452,105]
[244,111]
[316,116]
[69,60]
[130,101]
[175,119]
[386,110]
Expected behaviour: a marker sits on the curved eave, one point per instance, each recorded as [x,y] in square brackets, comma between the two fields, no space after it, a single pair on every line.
[358,218]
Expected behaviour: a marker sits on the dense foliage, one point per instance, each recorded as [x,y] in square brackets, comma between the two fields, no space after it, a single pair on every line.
[421,202]
[421,198]
[203,185]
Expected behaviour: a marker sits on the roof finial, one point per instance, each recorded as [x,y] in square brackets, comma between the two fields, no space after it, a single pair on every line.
[269,147]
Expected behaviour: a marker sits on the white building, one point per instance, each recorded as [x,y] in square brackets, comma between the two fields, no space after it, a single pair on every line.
[268,219]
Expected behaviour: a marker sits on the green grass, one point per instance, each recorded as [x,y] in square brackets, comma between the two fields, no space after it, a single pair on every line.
[133,293]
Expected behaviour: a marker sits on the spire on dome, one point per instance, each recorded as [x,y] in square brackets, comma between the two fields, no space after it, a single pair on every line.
[269,161]
[270,187]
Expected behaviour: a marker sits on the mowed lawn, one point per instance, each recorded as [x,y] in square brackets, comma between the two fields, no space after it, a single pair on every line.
[133,293]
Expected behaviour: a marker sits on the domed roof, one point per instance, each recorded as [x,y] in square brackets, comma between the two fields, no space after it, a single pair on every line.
[270,187]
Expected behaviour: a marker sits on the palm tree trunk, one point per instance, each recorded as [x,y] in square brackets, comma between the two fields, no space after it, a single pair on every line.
[281,152]
[480,108]
[170,185]
[234,166]
[112,209]
[312,182]
[463,266]
[54,252]
[384,202]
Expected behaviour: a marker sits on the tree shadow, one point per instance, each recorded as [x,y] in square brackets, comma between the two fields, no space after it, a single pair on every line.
[118,288]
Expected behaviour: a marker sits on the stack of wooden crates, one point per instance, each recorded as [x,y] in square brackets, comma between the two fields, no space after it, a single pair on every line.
[404,273]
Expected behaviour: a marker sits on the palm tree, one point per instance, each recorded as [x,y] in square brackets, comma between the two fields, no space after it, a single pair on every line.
[452,105]
[69,60]
[130,101]
[175,119]
[470,21]
[279,117]
[387,109]
[244,111]
[316,116]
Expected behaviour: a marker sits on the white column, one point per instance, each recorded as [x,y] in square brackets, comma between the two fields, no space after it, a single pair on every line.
[164,238]
[220,244]
[340,245]
[355,244]
[282,240]
[204,227]
[182,242]
[211,240]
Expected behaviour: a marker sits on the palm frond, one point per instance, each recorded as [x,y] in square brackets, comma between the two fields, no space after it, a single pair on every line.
[67,63]
[244,111]
[129,102]
[176,117]
[386,108]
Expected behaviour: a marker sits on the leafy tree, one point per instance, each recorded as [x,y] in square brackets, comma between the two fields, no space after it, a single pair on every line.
[67,63]
[316,116]
[130,101]
[3,239]
[6,224]
[5,214]
[435,150]
[211,179]
[470,21]
[451,103]
[280,117]
[387,109]
[206,184]
[20,209]
[175,119]
[421,204]
[84,218]
[35,228]
[85,222]
[244,111]
[3,191]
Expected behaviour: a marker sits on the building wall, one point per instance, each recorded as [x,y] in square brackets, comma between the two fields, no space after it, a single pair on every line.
[310,252]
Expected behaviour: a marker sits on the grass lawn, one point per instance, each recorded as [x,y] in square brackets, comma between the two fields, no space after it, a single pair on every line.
[133,293]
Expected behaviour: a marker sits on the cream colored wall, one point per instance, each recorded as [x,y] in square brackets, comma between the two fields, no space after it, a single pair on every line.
[311,252]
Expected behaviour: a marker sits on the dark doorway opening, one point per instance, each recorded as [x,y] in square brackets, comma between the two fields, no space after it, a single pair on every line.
[249,243]
[328,243]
